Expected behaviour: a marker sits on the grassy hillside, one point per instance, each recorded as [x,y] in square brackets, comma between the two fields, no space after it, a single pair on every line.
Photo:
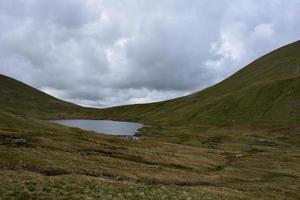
[265,91]
[21,99]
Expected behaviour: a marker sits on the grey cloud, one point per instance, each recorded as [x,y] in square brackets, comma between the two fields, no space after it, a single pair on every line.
[67,13]
[104,53]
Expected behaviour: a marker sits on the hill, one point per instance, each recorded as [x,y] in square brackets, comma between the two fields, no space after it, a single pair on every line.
[265,91]
[21,99]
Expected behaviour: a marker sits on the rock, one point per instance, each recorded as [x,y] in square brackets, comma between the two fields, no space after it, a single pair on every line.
[19,142]
[131,137]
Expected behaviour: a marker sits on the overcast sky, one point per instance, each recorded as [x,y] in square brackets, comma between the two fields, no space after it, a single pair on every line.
[112,52]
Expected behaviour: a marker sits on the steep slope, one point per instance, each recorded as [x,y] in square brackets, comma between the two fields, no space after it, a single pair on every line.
[21,99]
[267,90]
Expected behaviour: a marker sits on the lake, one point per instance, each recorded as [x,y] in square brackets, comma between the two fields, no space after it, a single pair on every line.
[102,126]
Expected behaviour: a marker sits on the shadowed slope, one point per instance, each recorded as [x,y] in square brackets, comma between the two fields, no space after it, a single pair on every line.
[21,99]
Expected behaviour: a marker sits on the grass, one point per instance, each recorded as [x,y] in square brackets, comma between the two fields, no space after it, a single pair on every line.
[175,163]
[67,187]
[239,139]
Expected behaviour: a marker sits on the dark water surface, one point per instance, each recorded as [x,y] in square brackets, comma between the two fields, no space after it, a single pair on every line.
[102,126]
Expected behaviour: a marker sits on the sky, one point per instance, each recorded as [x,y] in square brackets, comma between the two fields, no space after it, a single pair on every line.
[104,53]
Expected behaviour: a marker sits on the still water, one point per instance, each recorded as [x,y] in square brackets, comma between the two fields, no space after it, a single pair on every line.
[102,126]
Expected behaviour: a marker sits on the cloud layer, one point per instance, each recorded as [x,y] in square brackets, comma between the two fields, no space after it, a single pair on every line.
[105,53]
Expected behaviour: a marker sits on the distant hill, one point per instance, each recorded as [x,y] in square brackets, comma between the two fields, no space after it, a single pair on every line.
[265,91]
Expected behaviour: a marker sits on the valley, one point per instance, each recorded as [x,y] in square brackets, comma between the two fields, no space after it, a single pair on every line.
[239,139]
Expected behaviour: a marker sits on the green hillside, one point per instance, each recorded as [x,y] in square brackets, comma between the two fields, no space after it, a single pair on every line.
[21,99]
[265,91]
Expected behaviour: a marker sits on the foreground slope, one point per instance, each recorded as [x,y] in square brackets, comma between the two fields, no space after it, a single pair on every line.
[39,160]
[265,91]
